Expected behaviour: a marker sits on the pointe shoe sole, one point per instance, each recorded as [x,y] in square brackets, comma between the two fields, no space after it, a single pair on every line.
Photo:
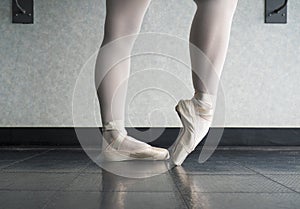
[114,155]
[178,151]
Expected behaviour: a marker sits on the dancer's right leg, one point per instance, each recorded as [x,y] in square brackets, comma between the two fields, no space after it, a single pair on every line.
[210,33]
[123,18]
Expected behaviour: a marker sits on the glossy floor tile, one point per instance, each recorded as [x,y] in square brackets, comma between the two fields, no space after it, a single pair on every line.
[92,168]
[232,178]
[292,181]
[117,200]
[35,181]
[228,183]
[243,200]
[5,163]
[108,182]
[53,161]
[212,166]
[24,199]
[19,154]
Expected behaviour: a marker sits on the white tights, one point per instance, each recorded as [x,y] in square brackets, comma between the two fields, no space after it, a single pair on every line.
[123,18]
[210,32]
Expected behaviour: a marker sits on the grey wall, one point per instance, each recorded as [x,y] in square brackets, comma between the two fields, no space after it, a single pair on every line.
[40,63]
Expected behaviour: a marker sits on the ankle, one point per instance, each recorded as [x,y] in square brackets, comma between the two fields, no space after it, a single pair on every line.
[113,129]
[204,100]
[115,125]
[204,104]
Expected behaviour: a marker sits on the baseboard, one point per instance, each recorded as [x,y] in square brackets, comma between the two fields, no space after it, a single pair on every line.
[66,136]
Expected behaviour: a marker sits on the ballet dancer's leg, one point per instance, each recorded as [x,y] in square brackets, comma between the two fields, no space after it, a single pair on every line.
[210,32]
[123,19]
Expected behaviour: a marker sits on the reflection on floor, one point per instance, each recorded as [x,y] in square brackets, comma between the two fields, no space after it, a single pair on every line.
[230,179]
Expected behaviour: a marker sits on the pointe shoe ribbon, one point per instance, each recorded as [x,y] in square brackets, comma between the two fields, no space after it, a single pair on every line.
[117,125]
[204,110]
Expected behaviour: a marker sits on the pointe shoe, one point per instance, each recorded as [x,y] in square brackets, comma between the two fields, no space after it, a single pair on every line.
[112,152]
[196,122]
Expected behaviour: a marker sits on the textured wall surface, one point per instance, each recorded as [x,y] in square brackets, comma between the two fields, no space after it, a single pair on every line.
[40,64]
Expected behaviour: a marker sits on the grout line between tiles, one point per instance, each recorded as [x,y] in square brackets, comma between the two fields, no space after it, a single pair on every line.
[271,179]
[178,190]
[61,188]
[24,159]
[94,191]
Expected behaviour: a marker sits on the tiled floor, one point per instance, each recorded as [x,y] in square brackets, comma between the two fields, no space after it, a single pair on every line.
[230,179]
